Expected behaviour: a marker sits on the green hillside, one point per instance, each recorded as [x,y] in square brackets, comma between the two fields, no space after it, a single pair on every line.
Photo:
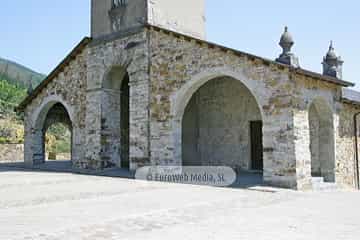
[19,75]
[14,82]
[10,96]
[11,126]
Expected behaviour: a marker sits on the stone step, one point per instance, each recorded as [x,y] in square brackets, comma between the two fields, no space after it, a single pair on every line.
[316,180]
[325,187]
[319,185]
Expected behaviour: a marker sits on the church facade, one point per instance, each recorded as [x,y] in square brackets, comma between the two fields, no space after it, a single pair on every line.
[148,89]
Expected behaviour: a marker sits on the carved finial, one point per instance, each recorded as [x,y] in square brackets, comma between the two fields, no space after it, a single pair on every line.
[286,40]
[332,64]
[286,43]
[331,55]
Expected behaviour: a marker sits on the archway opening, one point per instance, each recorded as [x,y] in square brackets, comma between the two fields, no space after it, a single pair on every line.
[116,117]
[57,135]
[58,143]
[322,141]
[222,126]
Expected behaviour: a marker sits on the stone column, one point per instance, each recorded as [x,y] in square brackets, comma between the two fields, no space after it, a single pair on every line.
[28,153]
[302,149]
[103,128]
[139,119]
[110,127]
[34,146]
[279,160]
[93,129]
[77,147]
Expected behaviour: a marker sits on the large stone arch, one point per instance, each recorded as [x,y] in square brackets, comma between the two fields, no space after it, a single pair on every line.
[184,95]
[322,139]
[53,109]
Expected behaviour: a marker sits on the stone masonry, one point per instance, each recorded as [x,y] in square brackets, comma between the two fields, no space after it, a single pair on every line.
[144,95]
[10,153]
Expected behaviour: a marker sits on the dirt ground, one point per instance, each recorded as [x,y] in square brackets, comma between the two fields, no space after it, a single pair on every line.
[42,205]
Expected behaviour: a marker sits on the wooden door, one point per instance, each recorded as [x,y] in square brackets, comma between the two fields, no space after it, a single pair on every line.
[256,145]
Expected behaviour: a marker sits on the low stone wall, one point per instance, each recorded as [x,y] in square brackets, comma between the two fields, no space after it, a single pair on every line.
[59,156]
[11,153]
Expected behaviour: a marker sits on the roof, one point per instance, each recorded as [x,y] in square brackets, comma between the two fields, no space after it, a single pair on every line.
[350,96]
[298,70]
[79,47]
[86,40]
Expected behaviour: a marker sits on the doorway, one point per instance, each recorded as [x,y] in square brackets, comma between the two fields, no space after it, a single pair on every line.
[256,136]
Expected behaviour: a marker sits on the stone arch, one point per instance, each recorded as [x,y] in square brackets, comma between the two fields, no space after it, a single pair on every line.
[184,96]
[52,110]
[116,115]
[39,115]
[113,77]
[322,139]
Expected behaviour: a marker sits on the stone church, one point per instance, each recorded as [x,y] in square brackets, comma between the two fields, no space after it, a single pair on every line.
[148,89]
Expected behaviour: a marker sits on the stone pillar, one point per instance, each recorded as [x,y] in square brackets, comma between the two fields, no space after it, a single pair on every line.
[110,127]
[34,146]
[139,119]
[302,149]
[103,128]
[28,142]
[279,160]
[77,147]
[103,114]
[93,129]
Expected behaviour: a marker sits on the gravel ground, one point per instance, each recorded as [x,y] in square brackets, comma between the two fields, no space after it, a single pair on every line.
[39,205]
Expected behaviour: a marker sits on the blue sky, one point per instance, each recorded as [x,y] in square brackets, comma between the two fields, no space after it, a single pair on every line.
[40,33]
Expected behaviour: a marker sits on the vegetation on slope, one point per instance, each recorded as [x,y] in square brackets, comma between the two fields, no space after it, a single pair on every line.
[11,126]
[19,75]
[10,96]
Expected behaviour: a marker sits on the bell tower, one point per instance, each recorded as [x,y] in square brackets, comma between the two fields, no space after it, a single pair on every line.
[112,16]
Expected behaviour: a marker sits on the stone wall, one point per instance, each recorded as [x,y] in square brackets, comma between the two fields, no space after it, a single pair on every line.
[11,153]
[69,89]
[180,66]
[345,145]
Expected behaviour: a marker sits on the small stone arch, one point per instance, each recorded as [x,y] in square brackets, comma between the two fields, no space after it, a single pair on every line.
[52,110]
[39,115]
[184,96]
[322,139]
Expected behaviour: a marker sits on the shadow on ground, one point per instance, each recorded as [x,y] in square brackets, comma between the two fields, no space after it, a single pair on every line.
[247,180]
